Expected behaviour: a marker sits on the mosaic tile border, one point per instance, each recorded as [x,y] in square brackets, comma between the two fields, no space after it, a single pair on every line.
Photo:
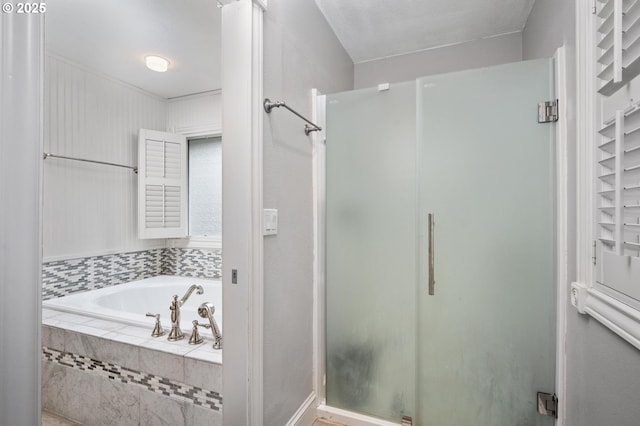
[170,388]
[64,277]
[189,262]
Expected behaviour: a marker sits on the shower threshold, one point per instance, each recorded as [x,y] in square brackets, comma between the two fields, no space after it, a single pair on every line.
[349,417]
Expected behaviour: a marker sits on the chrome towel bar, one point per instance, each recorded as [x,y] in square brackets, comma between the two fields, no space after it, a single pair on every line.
[47,155]
[308,128]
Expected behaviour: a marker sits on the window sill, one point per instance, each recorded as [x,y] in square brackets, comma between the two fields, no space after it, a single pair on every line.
[195,242]
[619,317]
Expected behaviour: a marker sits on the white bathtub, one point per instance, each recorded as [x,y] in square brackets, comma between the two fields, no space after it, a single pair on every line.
[128,303]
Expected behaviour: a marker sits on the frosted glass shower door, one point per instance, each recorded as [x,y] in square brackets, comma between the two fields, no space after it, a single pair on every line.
[370,251]
[486,338]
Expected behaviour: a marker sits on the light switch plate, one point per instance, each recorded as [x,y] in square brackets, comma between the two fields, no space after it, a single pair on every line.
[270,222]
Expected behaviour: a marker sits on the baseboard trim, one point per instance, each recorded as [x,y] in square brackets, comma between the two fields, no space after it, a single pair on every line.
[306,413]
[349,418]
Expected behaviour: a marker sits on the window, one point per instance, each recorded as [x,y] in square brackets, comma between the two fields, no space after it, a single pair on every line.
[608,155]
[618,142]
[205,187]
[179,186]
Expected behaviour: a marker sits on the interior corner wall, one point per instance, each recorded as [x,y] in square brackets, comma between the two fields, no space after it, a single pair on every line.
[473,54]
[550,24]
[301,52]
[602,371]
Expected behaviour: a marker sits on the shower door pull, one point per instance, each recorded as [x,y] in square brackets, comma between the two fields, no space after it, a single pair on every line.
[432,280]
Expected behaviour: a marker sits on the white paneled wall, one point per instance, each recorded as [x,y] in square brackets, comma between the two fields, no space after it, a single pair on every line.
[88,208]
[196,114]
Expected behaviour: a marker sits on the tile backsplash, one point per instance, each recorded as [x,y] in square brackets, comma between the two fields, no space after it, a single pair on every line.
[63,277]
[189,262]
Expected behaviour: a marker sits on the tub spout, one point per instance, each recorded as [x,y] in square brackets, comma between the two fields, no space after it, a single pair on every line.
[206,310]
[175,333]
[199,289]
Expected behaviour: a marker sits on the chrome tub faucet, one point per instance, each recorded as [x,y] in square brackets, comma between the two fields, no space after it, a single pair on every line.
[176,333]
[199,289]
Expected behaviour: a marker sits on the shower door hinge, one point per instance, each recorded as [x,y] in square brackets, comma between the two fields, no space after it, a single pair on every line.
[548,111]
[406,421]
[548,404]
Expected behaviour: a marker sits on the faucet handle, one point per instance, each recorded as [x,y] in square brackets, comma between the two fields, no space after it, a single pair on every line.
[195,338]
[157,329]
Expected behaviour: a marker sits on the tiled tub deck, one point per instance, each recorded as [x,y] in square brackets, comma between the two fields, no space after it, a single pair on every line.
[100,372]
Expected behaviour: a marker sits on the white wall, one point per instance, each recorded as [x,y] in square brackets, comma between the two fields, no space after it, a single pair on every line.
[300,52]
[603,371]
[91,209]
[196,113]
[473,54]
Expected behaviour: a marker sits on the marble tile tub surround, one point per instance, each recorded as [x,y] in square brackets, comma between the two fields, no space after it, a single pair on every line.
[50,419]
[64,277]
[95,400]
[197,395]
[104,347]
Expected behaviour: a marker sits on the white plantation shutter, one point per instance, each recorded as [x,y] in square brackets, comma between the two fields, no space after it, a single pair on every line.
[618,156]
[162,185]
[619,202]
[619,43]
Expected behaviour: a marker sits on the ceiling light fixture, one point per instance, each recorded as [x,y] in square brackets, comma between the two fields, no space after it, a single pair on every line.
[156,63]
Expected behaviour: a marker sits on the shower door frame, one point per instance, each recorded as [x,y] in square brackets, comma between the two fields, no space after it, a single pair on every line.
[561,261]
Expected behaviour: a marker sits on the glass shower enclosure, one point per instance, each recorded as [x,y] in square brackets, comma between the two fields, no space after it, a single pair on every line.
[440,292]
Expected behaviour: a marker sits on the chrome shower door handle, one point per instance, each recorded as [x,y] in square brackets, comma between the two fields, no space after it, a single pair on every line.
[432,280]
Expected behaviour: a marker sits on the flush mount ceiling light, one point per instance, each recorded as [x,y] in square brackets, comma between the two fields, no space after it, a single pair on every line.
[156,63]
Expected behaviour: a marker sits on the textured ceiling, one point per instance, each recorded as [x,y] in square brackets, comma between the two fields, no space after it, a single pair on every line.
[373,29]
[114,36]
